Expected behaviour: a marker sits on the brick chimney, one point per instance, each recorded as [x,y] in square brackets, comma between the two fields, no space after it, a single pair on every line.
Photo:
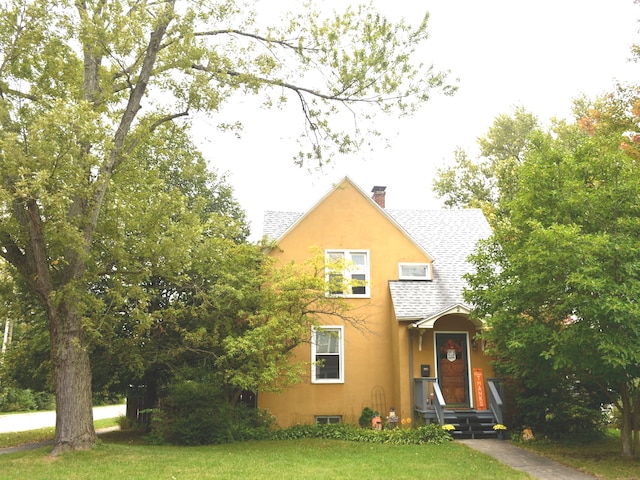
[378,195]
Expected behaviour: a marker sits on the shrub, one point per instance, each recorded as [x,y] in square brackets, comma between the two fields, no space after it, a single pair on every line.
[45,400]
[566,410]
[576,422]
[365,418]
[17,400]
[431,434]
[194,413]
[125,423]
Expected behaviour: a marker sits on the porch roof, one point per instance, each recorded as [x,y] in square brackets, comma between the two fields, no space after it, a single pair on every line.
[418,300]
[425,302]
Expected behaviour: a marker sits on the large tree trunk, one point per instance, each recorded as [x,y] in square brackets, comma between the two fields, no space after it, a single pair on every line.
[626,427]
[72,370]
[69,355]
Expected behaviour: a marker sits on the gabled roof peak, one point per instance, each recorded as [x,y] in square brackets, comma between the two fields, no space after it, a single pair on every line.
[277,228]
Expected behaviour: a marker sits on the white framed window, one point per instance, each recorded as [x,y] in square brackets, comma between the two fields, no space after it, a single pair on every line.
[414,271]
[328,419]
[327,355]
[348,273]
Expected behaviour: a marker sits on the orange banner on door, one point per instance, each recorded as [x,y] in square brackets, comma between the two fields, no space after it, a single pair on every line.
[478,382]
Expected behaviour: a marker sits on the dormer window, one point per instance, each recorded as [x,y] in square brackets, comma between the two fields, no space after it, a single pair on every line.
[414,271]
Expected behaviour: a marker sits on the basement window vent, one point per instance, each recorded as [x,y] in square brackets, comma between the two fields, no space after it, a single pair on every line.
[328,419]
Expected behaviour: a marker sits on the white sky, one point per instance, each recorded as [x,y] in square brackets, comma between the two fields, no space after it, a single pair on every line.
[536,54]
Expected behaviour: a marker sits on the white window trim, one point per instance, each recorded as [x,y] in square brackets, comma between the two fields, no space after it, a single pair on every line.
[366,271]
[340,378]
[427,276]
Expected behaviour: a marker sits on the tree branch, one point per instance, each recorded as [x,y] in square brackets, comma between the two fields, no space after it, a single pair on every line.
[17,93]
[167,118]
[131,110]
[296,88]
[255,36]
[10,251]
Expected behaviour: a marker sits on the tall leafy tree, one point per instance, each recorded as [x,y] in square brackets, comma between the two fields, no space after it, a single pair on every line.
[493,177]
[164,205]
[83,87]
[468,184]
[564,293]
[167,217]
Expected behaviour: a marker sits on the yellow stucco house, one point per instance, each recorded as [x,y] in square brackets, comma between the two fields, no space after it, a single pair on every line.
[419,355]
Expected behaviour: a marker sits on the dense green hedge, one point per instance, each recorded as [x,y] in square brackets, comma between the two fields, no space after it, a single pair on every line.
[431,434]
[194,431]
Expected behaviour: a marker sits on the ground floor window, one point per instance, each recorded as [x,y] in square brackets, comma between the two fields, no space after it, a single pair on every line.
[328,419]
[327,350]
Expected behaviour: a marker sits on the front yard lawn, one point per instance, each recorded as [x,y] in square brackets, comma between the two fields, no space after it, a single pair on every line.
[122,456]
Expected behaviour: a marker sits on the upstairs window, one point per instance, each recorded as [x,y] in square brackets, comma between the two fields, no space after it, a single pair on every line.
[327,355]
[348,272]
[414,271]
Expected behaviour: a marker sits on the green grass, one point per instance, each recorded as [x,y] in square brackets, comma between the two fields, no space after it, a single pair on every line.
[122,456]
[126,455]
[601,458]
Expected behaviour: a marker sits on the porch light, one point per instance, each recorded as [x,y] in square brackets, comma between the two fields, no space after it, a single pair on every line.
[474,344]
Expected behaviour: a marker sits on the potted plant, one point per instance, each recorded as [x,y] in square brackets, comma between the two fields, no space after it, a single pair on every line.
[501,430]
[448,428]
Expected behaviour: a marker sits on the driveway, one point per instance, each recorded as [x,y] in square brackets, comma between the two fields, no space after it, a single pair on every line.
[19,422]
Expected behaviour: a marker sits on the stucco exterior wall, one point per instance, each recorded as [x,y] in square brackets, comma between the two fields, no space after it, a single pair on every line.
[379,363]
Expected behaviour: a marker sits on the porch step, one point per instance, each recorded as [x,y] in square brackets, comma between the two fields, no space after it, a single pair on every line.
[471,423]
[474,434]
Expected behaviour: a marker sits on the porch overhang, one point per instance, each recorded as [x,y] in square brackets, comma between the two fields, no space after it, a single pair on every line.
[429,322]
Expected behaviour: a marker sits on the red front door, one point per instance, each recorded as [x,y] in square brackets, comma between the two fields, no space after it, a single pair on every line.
[453,375]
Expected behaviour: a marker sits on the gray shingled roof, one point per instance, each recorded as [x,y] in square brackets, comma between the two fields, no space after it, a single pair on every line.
[448,235]
[276,223]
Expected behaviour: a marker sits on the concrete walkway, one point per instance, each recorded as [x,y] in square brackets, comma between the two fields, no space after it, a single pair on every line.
[530,462]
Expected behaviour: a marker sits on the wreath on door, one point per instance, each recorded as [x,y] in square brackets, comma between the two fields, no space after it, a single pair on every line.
[451,350]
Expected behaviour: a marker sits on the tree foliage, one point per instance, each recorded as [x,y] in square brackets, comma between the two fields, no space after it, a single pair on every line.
[233,325]
[559,281]
[91,91]
[489,180]
[234,338]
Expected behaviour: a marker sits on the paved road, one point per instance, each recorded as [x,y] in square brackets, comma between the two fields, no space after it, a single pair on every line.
[19,422]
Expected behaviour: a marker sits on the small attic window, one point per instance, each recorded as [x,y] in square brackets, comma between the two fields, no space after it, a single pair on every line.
[414,271]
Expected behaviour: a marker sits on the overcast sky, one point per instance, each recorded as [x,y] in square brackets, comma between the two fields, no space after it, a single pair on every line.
[536,54]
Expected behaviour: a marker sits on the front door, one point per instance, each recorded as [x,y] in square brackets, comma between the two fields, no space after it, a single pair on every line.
[453,374]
